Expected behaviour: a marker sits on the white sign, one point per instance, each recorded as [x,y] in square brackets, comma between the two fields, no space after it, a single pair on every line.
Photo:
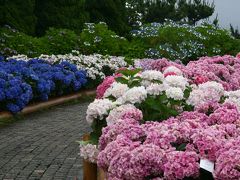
[207,165]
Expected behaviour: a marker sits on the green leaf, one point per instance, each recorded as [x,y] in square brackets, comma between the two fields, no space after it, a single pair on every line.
[182,147]
[122,80]
[129,72]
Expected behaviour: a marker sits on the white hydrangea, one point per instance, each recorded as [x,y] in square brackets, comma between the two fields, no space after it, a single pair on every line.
[92,64]
[155,89]
[152,75]
[116,90]
[98,108]
[89,152]
[173,69]
[235,101]
[19,57]
[146,83]
[133,95]
[209,91]
[212,85]
[176,81]
[116,113]
[233,97]
[175,93]
[232,94]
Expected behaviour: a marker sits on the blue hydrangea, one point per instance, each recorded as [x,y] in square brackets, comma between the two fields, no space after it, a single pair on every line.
[22,82]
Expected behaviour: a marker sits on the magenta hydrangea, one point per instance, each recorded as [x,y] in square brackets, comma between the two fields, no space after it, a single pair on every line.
[227,113]
[181,165]
[121,143]
[129,127]
[208,141]
[222,69]
[158,64]
[101,89]
[227,165]
[143,161]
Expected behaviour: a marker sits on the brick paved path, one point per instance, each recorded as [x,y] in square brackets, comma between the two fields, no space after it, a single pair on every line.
[43,145]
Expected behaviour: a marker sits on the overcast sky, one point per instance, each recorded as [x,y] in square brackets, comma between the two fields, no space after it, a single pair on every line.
[228,12]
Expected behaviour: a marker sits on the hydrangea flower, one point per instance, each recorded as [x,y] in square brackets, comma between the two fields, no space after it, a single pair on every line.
[133,95]
[175,93]
[125,111]
[116,90]
[98,109]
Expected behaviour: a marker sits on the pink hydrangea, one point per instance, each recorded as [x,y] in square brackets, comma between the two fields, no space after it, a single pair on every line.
[181,165]
[158,64]
[101,89]
[207,108]
[170,74]
[200,79]
[238,55]
[228,113]
[220,69]
[127,127]
[126,111]
[121,143]
[208,141]
[141,162]
[227,165]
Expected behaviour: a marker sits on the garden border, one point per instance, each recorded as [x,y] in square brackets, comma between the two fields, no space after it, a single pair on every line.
[31,108]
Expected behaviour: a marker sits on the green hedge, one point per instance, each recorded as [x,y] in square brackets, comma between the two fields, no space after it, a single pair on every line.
[172,41]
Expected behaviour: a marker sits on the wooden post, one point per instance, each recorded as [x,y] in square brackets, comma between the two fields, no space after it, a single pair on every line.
[89,169]
[101,174]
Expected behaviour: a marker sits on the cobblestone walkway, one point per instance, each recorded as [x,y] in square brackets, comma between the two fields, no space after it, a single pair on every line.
[43,145]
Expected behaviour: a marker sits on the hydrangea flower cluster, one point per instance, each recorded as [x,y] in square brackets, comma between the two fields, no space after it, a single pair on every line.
[98,109]
[126,95]
[125,111]
[209,91]
[101,89]
[89,152]
[171,149]
[165,120]
[138,89]
[22,82]
[14,93]
[97,66]
[222,69]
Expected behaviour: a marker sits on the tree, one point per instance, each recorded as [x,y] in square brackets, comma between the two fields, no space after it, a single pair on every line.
[113,12]
[18,15]
[68,14]
[190,11]
[199,9]
[235,32]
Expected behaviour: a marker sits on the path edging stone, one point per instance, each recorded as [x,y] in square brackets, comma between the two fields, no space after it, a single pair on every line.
[50,103]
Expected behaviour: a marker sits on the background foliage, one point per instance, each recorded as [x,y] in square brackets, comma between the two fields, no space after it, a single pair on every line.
[38,27]
[35,17]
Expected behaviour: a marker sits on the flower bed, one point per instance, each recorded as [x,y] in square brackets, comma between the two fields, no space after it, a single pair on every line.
[36,80]
[166,124]
[97,66]
[222,69]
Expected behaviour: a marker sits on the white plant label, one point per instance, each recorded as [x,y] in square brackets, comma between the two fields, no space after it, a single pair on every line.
[207,165]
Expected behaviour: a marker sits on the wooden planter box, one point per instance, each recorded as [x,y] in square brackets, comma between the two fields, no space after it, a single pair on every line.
[90,170]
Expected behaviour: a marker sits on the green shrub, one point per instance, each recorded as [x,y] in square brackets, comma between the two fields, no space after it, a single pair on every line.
[60,41]
[97,38]
[14,42]
[169,40]
[185,42]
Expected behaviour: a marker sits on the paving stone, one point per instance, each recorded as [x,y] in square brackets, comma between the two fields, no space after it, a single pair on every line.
[43,145]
